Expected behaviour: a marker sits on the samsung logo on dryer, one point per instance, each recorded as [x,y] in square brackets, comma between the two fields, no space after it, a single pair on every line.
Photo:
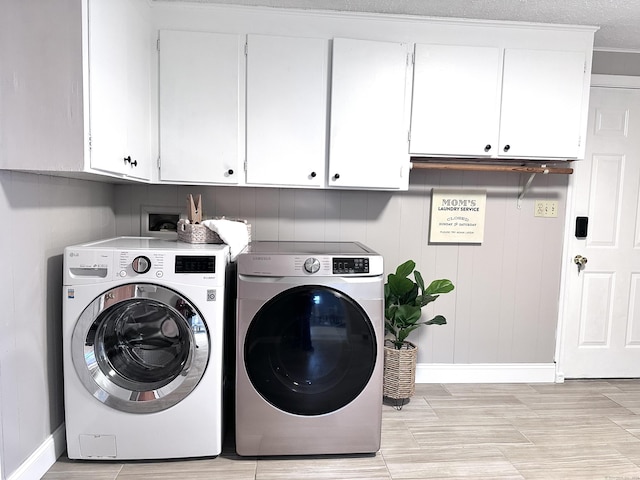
[261,258]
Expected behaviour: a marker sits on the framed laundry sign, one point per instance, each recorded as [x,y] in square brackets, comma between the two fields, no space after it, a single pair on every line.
[457,215]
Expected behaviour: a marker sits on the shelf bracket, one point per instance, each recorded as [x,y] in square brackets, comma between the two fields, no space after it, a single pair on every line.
[526,186]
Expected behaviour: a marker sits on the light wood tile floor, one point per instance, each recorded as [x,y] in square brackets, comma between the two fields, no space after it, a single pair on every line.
[587,429]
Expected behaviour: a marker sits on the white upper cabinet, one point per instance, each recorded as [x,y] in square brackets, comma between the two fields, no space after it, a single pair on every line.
[494,102]
[370,86]
[83,90]
[201,95]
[287,85]
[542,105]
[119,87]
[456,100]
[270,97]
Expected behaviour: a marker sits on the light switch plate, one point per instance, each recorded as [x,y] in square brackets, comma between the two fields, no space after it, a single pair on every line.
[546,208]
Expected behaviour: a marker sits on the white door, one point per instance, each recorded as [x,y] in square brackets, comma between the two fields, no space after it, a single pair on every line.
[600,326]
[107,85]
[119,87]
[201,106]
[456,100]
[370,88]
[138,140]
[287,84]
[541,103]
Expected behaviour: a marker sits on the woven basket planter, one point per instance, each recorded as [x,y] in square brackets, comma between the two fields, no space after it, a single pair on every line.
[399,370]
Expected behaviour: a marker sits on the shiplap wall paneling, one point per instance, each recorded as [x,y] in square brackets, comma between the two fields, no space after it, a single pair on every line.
[504,307]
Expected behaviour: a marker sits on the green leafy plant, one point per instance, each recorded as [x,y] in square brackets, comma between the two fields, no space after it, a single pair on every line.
[404,299]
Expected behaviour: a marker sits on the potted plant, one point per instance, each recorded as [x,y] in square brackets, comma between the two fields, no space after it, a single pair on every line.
[404,298]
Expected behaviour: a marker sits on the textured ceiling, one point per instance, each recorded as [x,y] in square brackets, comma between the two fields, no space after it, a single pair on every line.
[619,20]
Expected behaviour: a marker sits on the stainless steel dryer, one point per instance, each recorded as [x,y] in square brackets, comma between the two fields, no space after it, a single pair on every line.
[310,328]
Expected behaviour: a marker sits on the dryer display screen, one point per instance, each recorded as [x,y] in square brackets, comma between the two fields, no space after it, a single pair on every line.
[195,264]
[350,265]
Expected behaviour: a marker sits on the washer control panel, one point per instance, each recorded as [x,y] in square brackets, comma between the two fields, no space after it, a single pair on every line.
[350,265]
[145,259]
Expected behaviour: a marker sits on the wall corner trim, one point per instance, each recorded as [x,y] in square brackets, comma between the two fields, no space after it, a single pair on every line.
[43,457]
[486,373]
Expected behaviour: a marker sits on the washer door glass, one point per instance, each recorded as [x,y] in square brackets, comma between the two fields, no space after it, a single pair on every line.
[310,350]
[140,348]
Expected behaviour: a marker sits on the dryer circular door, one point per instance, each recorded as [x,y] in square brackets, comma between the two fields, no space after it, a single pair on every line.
[140,348]
[310,350]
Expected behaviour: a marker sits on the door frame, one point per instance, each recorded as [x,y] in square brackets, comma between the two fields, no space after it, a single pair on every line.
[568,267]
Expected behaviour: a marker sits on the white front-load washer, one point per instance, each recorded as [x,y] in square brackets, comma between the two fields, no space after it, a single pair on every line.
[143,348]
[310,328]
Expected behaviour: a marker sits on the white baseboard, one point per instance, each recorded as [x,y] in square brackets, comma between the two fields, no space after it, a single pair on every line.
[43,458]
[486,373]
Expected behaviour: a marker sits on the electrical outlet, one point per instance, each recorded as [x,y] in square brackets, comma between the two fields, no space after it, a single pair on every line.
[546,208]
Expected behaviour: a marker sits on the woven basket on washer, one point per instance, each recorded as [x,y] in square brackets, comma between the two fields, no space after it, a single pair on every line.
[399,370]
[197,233]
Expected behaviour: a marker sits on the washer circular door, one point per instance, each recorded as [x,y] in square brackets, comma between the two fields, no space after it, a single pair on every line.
[310,350]
[140,348]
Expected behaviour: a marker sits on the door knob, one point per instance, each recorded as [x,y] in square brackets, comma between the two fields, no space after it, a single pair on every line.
[580,261]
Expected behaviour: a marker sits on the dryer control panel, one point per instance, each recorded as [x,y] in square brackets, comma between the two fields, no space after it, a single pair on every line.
[350,265]
[282,265]
[304,259]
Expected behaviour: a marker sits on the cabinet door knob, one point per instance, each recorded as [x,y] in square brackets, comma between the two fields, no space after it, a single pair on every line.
[132,163]
[487,147]
[230,171]
[313,174]
[507,147]
[336,176]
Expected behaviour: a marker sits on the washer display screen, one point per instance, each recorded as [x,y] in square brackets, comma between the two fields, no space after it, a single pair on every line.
[310,350]
[195,264]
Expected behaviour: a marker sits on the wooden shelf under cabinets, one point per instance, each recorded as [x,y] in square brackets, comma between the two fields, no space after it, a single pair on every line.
[418,163]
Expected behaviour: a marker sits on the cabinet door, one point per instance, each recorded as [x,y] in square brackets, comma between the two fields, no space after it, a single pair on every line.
[139,48]
[286,110]
[541,103]
[369,121]
[456,100]
[119,87]
[201,102]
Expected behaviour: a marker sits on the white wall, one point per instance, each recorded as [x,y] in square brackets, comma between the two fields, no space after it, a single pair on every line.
[505,306]
[41,216]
